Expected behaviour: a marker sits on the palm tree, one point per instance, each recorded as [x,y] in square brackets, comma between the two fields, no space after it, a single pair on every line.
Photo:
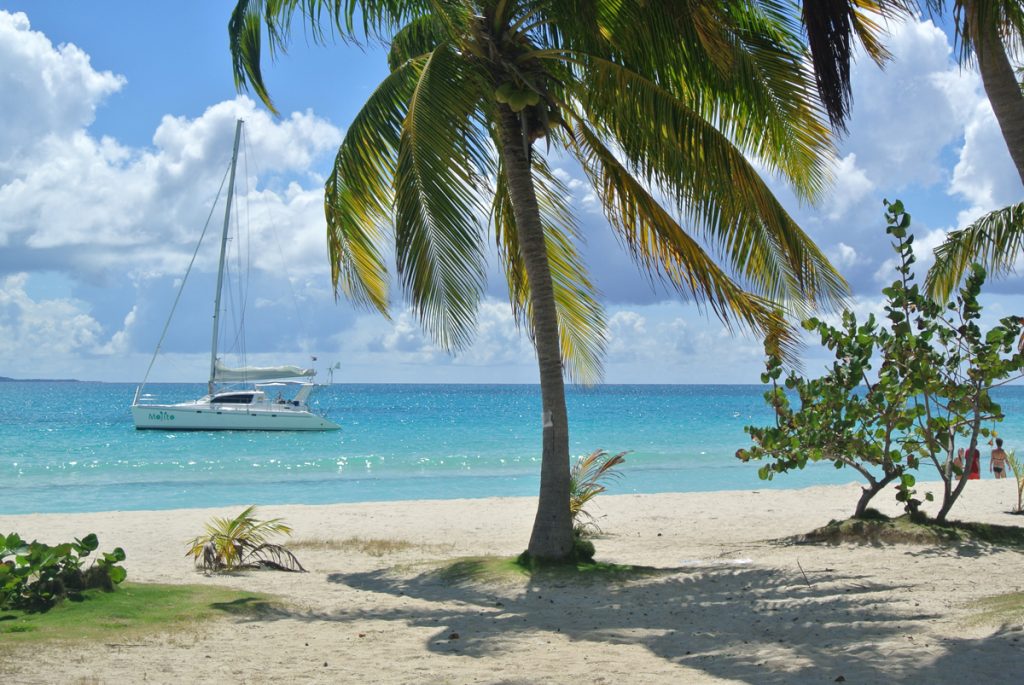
[993,29]
[658,102]
[987,32]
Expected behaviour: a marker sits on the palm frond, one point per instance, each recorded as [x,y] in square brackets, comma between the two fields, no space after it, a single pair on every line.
[581,319]
[708,179]
[868,19]
[830,35]
[245,39]
[996,241]
[242,542]
[831,27]
[661,247]
[359,193]
[1017,469]
[587,479]
[771,110]
[269,555]
[347,20]
[969,17]
[739,65]
[419,37]
[443,156]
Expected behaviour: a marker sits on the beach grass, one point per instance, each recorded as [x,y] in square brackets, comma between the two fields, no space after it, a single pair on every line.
[907,530]
[1001,610]
[374,547]
[134,610]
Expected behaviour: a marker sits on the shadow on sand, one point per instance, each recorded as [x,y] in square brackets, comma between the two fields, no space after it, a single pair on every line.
[749,624]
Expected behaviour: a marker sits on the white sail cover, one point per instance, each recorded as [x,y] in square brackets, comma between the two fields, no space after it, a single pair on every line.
[249,374]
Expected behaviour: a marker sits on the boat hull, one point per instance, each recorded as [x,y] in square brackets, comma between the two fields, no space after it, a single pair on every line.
[195,417]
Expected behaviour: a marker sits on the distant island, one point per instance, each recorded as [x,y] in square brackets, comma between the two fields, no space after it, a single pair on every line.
[5,379]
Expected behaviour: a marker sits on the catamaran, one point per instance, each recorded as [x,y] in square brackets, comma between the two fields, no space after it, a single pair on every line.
[245,408]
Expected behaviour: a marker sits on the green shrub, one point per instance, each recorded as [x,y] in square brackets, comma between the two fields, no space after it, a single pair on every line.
[35,576]
[900,396]
[582,550]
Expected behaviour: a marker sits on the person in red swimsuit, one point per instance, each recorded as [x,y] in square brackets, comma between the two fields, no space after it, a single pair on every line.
[973,463]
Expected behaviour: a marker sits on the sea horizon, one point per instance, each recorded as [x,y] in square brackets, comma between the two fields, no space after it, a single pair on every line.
[72,447]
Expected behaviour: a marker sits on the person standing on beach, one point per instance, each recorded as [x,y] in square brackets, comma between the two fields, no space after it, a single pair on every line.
[973,463]
[998,463]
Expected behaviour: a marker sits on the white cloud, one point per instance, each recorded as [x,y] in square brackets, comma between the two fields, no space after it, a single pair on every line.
[290,144]
[147,208]
[673,342]
[851,186]
[84,204]
[907,114]
[985,175]
[47,90]
[924,250]
[844,256]
[36,331]
[497,341]
[116,216]
[120,341]
[109,216]
[627,335]
[908,122]
[405,339]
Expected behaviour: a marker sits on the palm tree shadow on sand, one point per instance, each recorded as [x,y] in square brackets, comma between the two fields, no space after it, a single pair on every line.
[750,624]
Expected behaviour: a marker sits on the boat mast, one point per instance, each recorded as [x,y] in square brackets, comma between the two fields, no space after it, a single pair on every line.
[223,249]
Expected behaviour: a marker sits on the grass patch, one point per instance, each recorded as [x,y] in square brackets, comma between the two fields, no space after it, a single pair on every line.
[374,547]
[1003,610]
[498,569]
[481,569]
[133,610]
[880,529]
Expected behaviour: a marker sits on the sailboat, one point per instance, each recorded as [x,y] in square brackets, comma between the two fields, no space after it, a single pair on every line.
[245,408]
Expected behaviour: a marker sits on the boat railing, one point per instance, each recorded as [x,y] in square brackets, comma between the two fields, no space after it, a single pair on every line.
[143,398]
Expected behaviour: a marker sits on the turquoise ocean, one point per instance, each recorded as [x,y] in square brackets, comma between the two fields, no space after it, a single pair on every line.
[71,447]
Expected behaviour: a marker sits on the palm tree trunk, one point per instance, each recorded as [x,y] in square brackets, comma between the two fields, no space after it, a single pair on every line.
[1002,88]
[552,528]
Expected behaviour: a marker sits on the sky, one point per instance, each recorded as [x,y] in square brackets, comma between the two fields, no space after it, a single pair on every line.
[115,132]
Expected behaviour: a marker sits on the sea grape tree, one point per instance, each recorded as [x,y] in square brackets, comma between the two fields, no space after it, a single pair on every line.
[35,576]
[929,396]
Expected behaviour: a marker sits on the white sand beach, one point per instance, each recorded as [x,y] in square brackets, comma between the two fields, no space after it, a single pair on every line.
[728,603]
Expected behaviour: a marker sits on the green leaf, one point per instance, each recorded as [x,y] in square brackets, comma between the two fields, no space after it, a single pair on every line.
[89,543]
[359,192]
[115,556]
[995,240]
[441,154]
